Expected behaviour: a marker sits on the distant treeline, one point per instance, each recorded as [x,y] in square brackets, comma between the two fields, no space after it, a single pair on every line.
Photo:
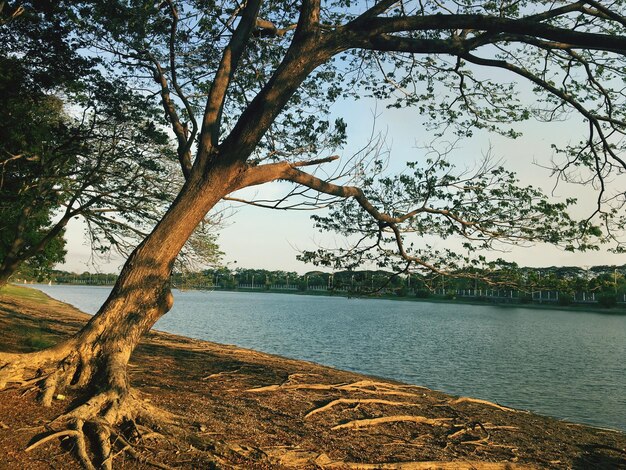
[603,285]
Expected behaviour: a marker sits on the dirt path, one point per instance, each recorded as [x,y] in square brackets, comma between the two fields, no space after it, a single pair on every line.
[238,408]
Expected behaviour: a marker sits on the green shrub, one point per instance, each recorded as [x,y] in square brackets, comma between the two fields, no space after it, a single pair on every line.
[422,294]
[38,341]
[565,299]
[607,300]
[402,291]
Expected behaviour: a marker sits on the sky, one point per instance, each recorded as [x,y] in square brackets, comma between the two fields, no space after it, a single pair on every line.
[253,237]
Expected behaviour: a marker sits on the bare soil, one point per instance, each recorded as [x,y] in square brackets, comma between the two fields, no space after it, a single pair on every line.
[237,408]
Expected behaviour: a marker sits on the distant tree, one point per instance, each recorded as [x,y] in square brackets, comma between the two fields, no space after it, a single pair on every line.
[106,161]
[247,89]
[107,166]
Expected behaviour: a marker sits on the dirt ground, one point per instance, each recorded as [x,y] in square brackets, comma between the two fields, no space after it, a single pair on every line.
[236,408]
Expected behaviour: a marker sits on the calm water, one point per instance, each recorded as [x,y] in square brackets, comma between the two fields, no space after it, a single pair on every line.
[564,364]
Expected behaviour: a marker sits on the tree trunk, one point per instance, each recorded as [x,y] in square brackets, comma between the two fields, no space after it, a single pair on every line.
[7,269]
[16,254]
[95,359]
[98,354]
[11,260]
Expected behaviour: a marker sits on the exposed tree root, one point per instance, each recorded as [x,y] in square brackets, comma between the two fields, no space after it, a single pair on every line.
[404,444]
[363,423]
[507,428]
[93,428]
[439,465]
[383,388]
[219,375]
[363,386]
[56,369]
[478,442]
[273,388]
[357,401]
[484,441]
[299,458]
[49,437]
[482,402]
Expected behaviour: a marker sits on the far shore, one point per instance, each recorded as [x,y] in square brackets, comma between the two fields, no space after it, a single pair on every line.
[620,309]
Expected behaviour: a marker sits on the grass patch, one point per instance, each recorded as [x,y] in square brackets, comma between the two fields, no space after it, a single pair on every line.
[24,293]
[39,341]
[32,338]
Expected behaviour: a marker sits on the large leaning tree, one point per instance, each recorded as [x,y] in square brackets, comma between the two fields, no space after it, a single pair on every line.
[247,89]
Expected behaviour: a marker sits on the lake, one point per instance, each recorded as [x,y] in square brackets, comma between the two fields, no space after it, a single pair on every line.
[565,364]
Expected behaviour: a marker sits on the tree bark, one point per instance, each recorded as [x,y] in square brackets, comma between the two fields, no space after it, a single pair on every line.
[8,267]
[142,292]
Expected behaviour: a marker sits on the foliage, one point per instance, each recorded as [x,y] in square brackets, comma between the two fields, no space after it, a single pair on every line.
[565,299]
[602,284]
[486,209]
[31,120]
[75,144]
[607,299]
[432,57]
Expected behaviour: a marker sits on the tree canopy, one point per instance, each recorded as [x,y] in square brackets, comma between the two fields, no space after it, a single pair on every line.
[459,64]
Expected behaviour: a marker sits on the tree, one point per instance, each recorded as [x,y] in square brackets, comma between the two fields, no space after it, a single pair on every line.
[247,90]
[106,164]
[39,119]
[32,118]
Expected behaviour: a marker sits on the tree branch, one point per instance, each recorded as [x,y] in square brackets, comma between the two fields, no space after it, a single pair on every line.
[287,171]
[370,29]
[209,134]
[184,156]
[309,17]
[307,51]
[607,12]
[593,119]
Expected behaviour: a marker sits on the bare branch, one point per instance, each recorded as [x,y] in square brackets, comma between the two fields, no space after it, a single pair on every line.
[607,12]
[317,161]
[185,151]
[179,129]
[594,119]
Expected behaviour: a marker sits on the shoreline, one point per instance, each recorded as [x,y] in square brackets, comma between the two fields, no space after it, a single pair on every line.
[275,412]
[580,308]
